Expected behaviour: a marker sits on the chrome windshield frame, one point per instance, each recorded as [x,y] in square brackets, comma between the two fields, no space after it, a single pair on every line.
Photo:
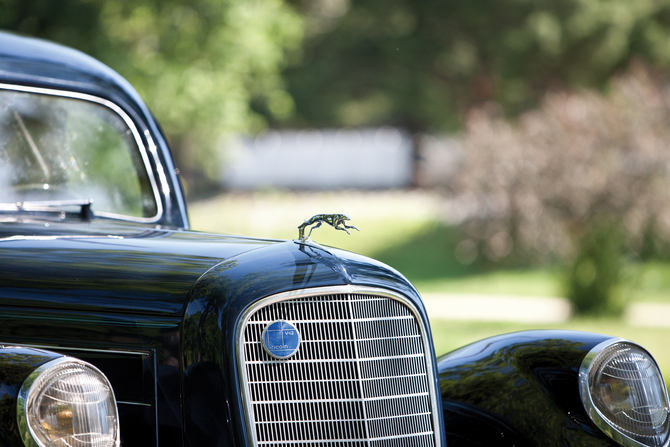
[144,152]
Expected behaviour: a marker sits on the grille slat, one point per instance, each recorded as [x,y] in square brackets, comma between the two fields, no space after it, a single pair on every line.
[360,377]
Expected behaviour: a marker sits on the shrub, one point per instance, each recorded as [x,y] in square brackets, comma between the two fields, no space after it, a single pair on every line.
[596,270]
[583,179]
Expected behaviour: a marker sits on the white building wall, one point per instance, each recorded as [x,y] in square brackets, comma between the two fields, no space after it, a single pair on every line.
[320,159]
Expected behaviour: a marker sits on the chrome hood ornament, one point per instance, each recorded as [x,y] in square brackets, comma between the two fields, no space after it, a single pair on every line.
[336,221]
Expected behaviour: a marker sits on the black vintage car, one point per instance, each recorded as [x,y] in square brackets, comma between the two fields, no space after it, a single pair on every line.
[119,326]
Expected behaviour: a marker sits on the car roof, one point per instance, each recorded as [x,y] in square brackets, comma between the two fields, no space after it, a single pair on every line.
[36,62]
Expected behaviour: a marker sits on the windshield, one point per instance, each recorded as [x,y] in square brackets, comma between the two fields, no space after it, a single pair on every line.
[54,148]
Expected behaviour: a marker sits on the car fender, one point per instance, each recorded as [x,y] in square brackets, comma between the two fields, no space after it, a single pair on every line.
[16,364]
[522,386]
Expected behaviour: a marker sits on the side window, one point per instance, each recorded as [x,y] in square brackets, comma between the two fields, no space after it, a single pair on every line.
[58,148]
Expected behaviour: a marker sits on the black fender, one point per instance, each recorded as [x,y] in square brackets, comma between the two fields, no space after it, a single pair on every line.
[16,364]
[519,389]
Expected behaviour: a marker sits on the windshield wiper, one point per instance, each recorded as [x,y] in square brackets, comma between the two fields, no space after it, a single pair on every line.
[85,211]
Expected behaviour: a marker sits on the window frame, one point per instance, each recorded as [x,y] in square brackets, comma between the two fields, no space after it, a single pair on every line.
[142,147]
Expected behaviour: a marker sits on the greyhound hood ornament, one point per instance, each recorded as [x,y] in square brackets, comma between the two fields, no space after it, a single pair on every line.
[337,221]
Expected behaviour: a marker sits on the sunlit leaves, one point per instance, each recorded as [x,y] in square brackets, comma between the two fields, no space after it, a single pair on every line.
[199,65]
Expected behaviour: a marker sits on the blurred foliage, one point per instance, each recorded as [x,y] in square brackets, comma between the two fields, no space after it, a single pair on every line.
[596,270]
[423,64]
[198,64]
[582,179]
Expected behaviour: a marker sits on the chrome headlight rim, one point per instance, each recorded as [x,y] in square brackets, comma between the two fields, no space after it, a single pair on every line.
[594,413]
[29,437]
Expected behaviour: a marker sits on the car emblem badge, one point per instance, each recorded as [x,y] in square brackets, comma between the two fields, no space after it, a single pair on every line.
[280,339]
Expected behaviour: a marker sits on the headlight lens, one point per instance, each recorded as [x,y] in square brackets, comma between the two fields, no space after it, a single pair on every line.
[624,393]
[68,402]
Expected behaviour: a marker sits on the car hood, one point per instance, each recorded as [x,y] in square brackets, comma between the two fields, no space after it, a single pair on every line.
[108,267]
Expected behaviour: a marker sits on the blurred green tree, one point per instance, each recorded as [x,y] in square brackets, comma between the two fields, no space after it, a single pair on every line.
[422,64]
[199,64]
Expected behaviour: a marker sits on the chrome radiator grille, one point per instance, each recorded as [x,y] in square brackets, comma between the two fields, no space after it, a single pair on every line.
[360,378]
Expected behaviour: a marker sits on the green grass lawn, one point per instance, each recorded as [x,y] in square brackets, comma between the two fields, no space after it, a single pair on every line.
[384,218]
[650,282]
[504,282]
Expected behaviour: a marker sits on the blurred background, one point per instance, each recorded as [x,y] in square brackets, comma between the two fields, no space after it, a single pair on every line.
[510,158]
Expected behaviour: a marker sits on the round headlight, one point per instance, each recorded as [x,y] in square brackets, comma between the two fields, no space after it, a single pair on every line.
[623,391]
[68,402]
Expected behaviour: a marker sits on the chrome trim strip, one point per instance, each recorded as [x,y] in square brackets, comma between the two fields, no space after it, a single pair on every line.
[54,238]
[587,399]
[179,195]
[67,348]
[433,395]
[136,135]
[155,363]
[137,404]
[24,428]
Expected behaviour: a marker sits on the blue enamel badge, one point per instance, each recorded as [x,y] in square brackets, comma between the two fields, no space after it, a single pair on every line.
[280,339]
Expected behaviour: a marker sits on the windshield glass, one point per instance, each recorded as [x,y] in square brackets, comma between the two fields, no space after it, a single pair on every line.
[54,148]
